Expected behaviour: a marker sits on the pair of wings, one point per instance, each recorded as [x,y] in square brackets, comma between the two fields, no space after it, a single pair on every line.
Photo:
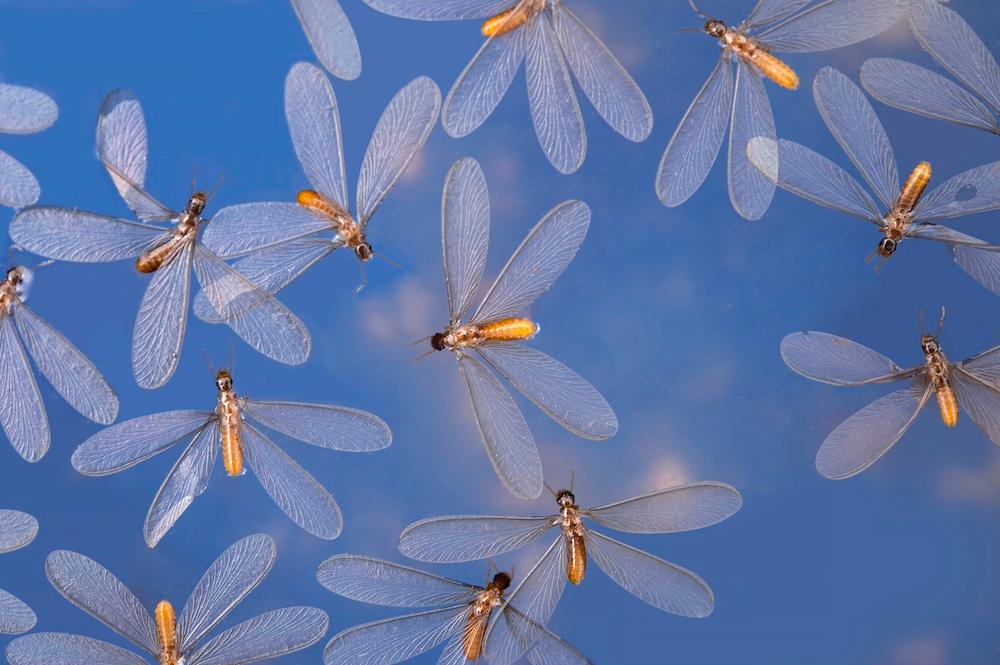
[331,36]
[551,44]
[957,48]
[22,111]
[74,235]
[293,489]
[229,579]
[559,392]
[740,101]
[862,439]
[74,377]
[397,639]
[280,241]
[661,584]
[17,530]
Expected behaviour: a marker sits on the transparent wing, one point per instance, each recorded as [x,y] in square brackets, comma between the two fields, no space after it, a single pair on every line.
[440,10]
[483,83]
[18,186]
[769,12]
[868,434]
[555,111]
[537,262]
[394,640]
[15,615]
[331,36]
[377,582]
[401,131]
[970,192]
[22,413]
[548,649]
[253,314]
[558,391]
[812,176]
[461,538]
[837,360]
[70,372]
[611,90]
[830,24]
[465,233]
[980,260]
[749,190]
[25,110]
[128,443]
[664,585]
[984,367]
[187,479]
[65,234]
[675,509]
[314,124]
[852,121]
[508,441]
[227,581]
[947,236]
[159,326]
[93,589]
[269,635]
[17,529]
[297,493]
[695,144]
[323,425]
[66,649]
[950,40]
[978,399]
[918,90]
[250,227]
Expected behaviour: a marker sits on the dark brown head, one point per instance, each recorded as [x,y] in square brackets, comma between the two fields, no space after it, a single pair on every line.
[886,247]
[565,498]
[437,341]
[223,380]
[501,581]
[929,345]
[715,28]
[196,204]
[15,275]
[364,251]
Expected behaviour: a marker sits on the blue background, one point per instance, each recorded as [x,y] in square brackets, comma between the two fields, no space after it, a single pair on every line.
[674,314]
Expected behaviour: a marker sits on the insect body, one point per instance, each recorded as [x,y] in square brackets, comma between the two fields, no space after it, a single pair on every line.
[512,19]
[351,233]
[902,213]
[166,632]
[937,372]
[187,224]
[482,607]
[228,411]
[571,523]
[752,51]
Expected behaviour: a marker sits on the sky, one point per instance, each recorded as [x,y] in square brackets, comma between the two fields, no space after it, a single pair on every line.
[675,315]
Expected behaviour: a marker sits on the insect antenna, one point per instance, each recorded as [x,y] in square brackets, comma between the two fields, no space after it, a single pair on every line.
[421,340]
[698,11]
[395,264]
[940,324]
[920,321]
[364,279]
[551,491]
[572,480]
[423,355]
[208,363]
[194,180]
[215,187]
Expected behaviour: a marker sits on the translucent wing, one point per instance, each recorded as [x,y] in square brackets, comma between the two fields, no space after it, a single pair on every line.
[918,90]
[483,83]
[184,483]
[66,649]
[15,616]
[978,399]
[377,582]
[749,190]
[561,393]
[253,314]
[25,110]
[508,441]
[465,233]
[65,234]
[159,326]
[812,176]
[22,413]
[852,121]
[69,371]
[460,538]
[695,144]
[614,93]
[128,443]
[296,492]
[970,192]
[331,36]
[868,434]
[664,585]
[314,123]
[984,367]
[829,24]
[548,649]
[947,236]
[555,111]
[982,265]
[950,40]
[394,640]
[769,12]
[537,262]
[93,589]
[675,509]
[17,529]
[249,227]
[837,360]
[440,10]
[269,635]
[323,425]
[18,186]
[227,581]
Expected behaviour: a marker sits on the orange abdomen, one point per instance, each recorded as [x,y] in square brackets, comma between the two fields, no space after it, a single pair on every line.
[506,21]
[915,186]
[312,200]
[166,632]
[576,559]
[774,69]
[472,637]
[150,261]
[232,447]
[508,330]
[947,405]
